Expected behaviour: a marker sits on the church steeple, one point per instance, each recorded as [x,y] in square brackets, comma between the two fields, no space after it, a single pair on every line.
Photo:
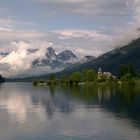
[99,70]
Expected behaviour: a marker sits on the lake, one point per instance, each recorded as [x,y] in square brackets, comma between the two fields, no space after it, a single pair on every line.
[69,113]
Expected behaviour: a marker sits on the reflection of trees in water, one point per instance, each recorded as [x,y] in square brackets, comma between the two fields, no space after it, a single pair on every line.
[45,100]
[90,94]
[127,94]
[52,90]
[122,101]
[52,101]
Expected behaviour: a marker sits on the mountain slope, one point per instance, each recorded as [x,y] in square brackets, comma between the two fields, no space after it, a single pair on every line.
[66,55]
[111,60]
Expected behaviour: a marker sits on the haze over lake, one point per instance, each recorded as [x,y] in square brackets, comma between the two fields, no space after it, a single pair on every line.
[69,113]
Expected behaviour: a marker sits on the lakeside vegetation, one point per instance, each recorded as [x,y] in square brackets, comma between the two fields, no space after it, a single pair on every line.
[127,75]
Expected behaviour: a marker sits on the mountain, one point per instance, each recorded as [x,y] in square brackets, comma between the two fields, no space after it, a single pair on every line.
[128,54]
[51,59]
[54,60]
[110,61]
[50,62]
[89,58]
[66,55]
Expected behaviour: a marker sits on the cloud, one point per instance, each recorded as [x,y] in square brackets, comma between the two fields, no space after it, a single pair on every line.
[87,7]
[130,31]
[77,33]
[5,29]
[7,34]
[6,21]
[83,42]
[76,36]
[20,60]
[135,6]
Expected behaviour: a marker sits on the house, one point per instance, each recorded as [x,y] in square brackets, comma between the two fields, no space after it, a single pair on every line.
[105,75]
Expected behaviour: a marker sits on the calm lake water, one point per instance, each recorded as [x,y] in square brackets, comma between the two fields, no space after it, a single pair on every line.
[69,113]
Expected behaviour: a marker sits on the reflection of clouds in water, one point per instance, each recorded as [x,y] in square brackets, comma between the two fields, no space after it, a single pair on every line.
[24,107]
[21,108]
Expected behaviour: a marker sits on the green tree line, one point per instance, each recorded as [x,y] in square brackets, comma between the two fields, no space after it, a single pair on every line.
[126,74]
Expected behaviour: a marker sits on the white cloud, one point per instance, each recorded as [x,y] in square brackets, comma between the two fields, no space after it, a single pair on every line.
[8,34]
[77,33]
[87,7]
[20,60]
[135,6]
[2,29]
[6,21]
[130,31]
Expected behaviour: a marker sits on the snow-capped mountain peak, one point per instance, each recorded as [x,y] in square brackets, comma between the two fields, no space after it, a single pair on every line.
[50,52]
[54,60]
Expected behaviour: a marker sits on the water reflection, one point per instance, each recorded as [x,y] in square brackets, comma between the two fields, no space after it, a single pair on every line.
[44,102]
[20,107]
[78,107]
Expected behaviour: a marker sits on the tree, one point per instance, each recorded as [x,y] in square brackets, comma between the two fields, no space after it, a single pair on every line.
[52,80]
[52,77]
[64,80]
[84,72]
[75,78]
[122,70]
[126,77]
[131,70]
[90,75]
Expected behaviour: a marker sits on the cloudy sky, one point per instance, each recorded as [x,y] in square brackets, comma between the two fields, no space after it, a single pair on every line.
[87,27]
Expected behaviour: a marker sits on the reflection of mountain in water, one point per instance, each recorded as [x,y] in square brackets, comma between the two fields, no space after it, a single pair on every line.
[53,102]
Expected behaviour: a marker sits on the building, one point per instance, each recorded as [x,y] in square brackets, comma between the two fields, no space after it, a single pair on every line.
[105,75]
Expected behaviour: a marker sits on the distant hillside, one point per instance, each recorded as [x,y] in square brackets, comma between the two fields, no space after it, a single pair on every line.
[129,54]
